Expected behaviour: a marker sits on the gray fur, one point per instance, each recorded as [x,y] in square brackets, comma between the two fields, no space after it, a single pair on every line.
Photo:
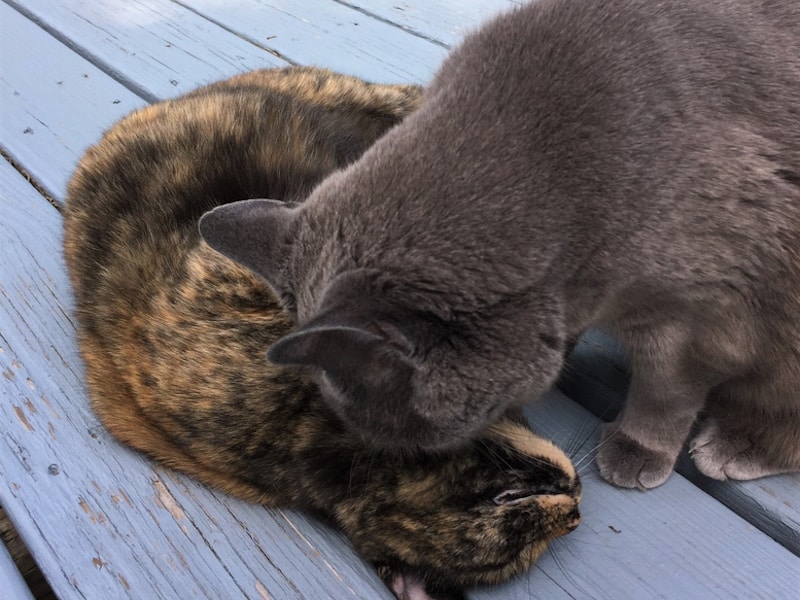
[634,163]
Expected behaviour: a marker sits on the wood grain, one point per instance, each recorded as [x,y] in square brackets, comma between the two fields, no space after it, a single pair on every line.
[54,102]
[157,48]
[330,34]
[445,22]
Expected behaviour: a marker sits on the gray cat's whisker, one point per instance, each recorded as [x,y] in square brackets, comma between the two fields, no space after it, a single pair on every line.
[585,461]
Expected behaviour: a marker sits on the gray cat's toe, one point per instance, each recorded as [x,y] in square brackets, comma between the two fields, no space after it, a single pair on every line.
[625,463]
[728,456]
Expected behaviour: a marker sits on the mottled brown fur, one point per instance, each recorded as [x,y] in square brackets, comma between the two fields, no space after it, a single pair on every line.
[174,337]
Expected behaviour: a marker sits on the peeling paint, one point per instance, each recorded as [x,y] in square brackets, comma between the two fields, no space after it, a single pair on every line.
[30,406]
[21,416]
[98,562]
[262,591]
[124,582]
[29,381]
[125,497]
[51,430]
[9,374]
[297,531]
[50,406]
[166,500]
[314,549]
[82,503]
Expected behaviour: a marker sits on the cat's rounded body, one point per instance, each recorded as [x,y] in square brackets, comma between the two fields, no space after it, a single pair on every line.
[174,337]
[630,163]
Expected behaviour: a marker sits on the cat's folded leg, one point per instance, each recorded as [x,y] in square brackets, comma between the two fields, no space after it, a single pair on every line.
[747,441]
[639,449]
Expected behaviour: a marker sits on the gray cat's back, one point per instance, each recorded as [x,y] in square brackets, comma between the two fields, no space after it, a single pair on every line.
[634,163]
[615,99]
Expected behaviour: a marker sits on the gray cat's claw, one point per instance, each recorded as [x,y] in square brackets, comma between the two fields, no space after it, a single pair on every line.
[625,463]
[728,456]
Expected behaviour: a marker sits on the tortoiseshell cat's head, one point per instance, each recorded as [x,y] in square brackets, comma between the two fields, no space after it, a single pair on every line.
[174,337]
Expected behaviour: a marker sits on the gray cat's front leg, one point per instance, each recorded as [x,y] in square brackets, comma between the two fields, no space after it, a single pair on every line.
[640,448]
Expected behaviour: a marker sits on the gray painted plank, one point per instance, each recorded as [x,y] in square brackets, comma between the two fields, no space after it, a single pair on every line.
[157,48]
[54,103]
[597,378]
[13,586]
[332,35]
[102,521]
[445,21]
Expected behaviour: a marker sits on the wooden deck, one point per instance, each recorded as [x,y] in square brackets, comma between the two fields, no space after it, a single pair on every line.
[101,521]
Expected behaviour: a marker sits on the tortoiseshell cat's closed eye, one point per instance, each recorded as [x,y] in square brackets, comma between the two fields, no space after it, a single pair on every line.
[174,338]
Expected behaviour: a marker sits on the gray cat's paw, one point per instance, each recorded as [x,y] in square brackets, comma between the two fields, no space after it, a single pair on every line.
[724,455]
[625,463]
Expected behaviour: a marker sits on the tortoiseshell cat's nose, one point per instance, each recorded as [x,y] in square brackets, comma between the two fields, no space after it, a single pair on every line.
[574,519]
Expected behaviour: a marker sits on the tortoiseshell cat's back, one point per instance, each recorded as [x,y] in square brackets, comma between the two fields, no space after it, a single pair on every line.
[136,262]
[174,338]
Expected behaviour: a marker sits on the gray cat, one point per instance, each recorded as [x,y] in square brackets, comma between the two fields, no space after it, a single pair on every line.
[632,163]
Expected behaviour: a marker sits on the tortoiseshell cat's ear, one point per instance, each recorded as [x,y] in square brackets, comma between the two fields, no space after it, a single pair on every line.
[256,234]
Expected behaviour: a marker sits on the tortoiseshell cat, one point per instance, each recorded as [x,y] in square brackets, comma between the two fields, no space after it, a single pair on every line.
[174,335]
[632,163]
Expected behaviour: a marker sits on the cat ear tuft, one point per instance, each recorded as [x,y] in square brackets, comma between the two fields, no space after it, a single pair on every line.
[254,233]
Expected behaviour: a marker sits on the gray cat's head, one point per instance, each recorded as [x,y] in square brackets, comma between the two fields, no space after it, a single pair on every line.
[398,369]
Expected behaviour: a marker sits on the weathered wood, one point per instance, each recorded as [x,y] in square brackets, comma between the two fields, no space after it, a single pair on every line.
[670,542]
[23,561]
[330,34]
[51,118]
[54,102]
[157,48]
[443,22]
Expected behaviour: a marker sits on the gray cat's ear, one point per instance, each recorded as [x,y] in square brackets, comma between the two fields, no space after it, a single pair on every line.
[335,349]
[336,346]
[367,381]
[371,359]
[256,234]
